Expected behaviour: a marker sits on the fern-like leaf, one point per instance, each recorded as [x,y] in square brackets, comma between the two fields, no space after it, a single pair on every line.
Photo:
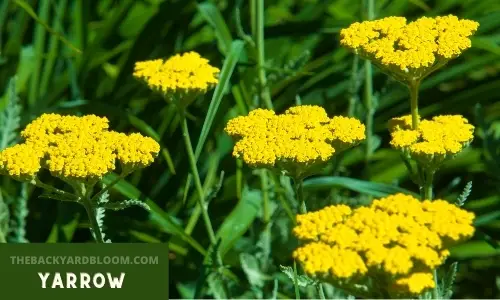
[124,204]
[465,194]
[101,213]
[17,231]
[448,281]
[10,117]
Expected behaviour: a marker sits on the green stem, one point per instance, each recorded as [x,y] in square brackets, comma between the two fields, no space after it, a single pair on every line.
[428,185]
[258,20]
[295,281]
[71,197]
[413,87]
[299,192]
[91,213]
[109,186]
[2,238]
[435,291]
[320,291]
[266,216]
[196,176]
[368,91]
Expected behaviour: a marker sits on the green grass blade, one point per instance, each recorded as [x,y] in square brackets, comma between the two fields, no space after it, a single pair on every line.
[39,45]
[364,187]
[53,48]
[224,79]
[148,130]
[40,20]
[213,16]
[239,220]
[164,221]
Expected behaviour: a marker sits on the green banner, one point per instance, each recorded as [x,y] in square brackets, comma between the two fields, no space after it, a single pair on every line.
[84,271]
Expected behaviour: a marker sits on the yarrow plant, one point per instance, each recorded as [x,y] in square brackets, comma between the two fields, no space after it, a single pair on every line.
[298,142]
[388,249]
[180,79]
[434,142]
[79,151]
[409,52]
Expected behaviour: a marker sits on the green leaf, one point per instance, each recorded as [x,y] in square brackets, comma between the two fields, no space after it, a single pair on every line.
[251,267]
[302,280]
[216,286]
[32,13]
[148,130]
[448,281]
[487,218]
[224,79]
[239,220]
[163,220]
[213,16]
[364,187]
[10,116]
[119,205]
[474,249]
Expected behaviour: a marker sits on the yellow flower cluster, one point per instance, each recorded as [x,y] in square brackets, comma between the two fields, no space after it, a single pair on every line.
[73,147]
[296,141]
[178,75]
[434,140]
[397,237]
[394,43]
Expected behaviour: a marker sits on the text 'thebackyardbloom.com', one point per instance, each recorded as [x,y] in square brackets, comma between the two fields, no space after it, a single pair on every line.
[392,246]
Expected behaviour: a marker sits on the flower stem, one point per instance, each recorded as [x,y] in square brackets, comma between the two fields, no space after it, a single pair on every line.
[413,86]
[2,238]
[320,291]
[91,213]
[368,97]
[196,176]
[258,22]
[109,186]
[71,197]
[299,192]
[428,185]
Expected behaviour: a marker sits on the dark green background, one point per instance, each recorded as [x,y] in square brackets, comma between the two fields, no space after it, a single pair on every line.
[23,282]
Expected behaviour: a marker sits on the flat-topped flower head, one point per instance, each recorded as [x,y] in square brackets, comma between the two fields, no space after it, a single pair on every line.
[410,51]
[397,240]
[298,142]
[75,148]
[180,78]
[434,141]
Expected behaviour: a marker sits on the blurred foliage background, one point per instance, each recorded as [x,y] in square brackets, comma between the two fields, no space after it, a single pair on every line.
[77,57]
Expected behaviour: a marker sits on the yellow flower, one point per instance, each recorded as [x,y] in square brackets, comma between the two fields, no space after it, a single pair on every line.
[297,141]
[20,162]
[180,78]
[415,283]
[434,141]
[135,151]
[75,148]
[409,51]
[395,239]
